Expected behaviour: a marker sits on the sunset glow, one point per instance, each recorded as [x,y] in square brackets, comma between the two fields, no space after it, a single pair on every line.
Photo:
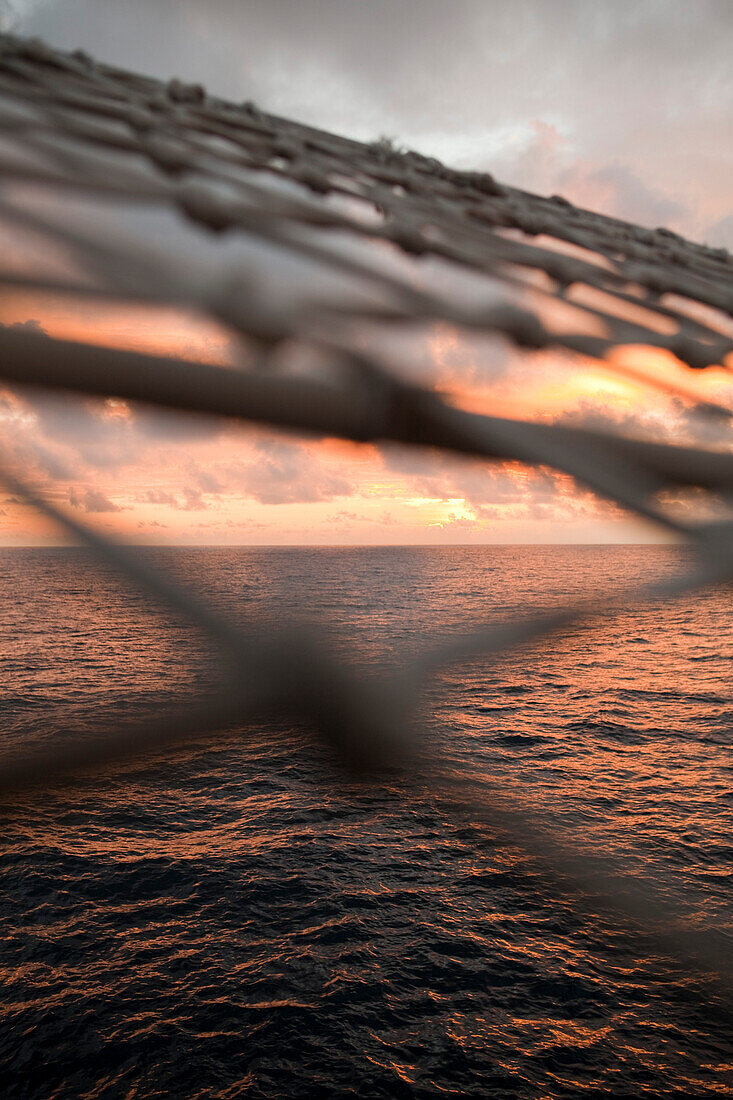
[168,478]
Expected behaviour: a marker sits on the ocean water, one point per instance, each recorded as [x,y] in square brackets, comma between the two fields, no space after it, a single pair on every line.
[244,917]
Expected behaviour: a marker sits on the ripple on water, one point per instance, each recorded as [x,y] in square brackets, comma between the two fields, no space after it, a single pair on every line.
[242,919]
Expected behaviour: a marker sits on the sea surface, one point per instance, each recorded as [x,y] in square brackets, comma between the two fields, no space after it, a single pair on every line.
[245,917]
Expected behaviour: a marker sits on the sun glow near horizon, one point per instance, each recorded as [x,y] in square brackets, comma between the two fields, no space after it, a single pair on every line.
[160,477]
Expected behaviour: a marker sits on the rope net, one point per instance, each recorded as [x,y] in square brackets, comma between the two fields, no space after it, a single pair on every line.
[349,244]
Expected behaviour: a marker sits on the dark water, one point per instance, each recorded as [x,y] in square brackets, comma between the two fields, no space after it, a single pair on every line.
[243,919]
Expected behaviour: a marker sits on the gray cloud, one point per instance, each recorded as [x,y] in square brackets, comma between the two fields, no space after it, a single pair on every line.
[628,196]
[13,13]
[192,501]
[481,484]
[284,473]
[159,496]
[92,500]
[682,424]
[31,325]
[644,83]
[720,233]
[628,101]
[48,461]
[205,480]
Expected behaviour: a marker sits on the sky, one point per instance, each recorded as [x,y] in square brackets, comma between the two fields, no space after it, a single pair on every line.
[624,107]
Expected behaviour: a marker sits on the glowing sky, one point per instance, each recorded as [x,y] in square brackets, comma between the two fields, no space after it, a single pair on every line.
[623,107]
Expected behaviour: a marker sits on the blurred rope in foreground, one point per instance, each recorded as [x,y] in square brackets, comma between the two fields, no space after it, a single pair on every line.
[348,222]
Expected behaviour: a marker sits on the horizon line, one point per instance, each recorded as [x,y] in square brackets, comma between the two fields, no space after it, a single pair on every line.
[334,545]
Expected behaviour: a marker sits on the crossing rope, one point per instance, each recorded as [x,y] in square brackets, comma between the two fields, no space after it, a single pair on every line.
[376,236]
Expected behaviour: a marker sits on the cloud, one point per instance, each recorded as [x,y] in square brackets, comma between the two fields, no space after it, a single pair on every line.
[189,499]
[158,496]
[677,422]
[92,500]
[720,233]
[284,473]
[599,103]
[31,452]
[192,500]
[31,325]
[205,479]
[542,158]
[81,426]
[513,87]
[619,191]
[473,67]
[484,485]
[14,12]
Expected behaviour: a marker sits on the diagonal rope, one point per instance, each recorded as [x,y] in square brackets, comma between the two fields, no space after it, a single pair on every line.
[395,228]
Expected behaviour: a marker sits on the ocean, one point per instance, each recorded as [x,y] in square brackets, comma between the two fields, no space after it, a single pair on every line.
[244,917]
